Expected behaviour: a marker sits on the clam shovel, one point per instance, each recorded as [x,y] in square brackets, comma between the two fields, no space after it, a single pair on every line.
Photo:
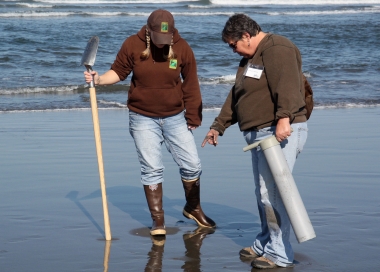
[88,60]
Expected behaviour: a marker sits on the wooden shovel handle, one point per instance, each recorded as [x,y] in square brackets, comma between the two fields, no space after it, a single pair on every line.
[98,143]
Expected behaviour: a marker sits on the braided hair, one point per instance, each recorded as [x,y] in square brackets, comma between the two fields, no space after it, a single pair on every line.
[146,53]
[171,54]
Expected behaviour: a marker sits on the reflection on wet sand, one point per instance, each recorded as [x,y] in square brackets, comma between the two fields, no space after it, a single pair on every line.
[107,250]
[193,242]
[155,254]
[192,259]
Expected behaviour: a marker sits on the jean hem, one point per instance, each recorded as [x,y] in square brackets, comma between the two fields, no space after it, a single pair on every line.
[152,183]
[191,177]
[276,261]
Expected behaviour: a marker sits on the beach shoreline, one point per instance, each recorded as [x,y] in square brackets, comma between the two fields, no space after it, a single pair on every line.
[51,206]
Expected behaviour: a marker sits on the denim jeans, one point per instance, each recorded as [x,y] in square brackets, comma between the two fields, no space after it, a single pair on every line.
[149,133]
[273,240]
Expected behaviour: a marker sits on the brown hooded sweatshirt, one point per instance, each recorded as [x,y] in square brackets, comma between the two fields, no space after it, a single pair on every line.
[157,89]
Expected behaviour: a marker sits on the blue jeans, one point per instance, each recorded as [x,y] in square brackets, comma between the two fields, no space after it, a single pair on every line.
[149,133]
[273,240]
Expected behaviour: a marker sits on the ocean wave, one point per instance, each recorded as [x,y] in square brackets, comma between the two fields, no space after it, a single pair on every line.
[374,9]
[214,2]
[206,108]
[111,103]
[41,90]
[36,14]
[307,74]
[218,80]
[46,110]
[229,79]
[292,2]
[199,7]
[321,107]
[34,5]
[203,13]
[346,106]
[105,14]
[96,2]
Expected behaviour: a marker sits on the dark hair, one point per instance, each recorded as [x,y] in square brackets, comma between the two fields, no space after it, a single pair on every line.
[237,25]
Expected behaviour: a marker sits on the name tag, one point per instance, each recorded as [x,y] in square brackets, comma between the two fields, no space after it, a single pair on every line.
[254,71]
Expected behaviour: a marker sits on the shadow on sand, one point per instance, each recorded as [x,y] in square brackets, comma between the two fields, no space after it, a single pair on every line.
[131,200]
[238,226]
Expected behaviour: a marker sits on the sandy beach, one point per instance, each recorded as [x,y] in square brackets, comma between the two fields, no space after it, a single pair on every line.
[52,218]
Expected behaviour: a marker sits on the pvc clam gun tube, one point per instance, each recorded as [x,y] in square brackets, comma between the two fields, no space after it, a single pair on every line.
[286,185]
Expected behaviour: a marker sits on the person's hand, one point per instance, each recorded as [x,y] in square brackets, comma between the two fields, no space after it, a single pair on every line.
[283,129]
[211,138]
[89,76]
[191,127]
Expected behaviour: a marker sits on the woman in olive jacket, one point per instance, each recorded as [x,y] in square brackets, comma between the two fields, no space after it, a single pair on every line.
[267,99]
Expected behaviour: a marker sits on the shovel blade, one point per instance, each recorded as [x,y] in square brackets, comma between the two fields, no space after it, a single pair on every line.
[89,55]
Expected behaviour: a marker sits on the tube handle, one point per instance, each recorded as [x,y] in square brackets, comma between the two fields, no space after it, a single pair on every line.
[251,146]
[264,143]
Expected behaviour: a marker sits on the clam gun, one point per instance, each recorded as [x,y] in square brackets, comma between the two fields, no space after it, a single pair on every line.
[286,185]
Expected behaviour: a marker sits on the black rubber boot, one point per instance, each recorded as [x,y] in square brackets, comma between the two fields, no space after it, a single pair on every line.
[192,209]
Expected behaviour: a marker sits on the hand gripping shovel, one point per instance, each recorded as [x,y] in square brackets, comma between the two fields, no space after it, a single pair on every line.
[88,60]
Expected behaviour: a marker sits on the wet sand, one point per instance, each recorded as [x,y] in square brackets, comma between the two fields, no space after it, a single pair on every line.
[52,218]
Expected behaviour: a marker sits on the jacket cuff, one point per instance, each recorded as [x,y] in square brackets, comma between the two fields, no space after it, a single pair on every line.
[285,114]
[218,127]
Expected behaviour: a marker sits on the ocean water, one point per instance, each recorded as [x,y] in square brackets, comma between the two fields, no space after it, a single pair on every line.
[42,42]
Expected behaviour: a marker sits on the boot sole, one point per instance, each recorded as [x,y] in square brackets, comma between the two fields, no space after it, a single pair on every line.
[189,216]
[158,232]
[248,253]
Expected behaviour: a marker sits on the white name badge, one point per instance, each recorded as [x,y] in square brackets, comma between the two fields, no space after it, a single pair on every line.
[254,71]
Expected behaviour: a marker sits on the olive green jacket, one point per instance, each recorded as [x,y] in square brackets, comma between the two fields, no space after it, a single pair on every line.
[279,93]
